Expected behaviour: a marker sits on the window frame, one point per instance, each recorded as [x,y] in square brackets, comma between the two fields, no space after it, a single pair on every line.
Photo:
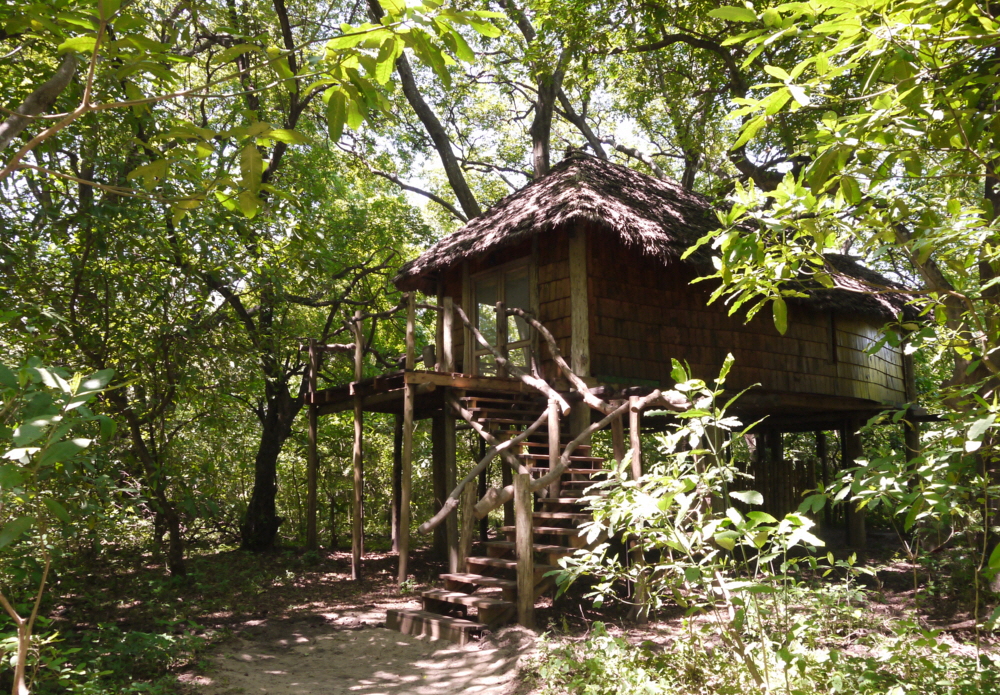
[499,273]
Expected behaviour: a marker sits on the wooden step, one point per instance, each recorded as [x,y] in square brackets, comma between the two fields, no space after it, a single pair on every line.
[461,581]
[576,471]
[499,563]
[410,621]
[575,517]
[574,458]
[491,611]
[553,551]
[581,450]
[547,530]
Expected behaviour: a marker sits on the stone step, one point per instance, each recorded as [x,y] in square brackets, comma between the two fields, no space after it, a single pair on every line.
[490,611]
[410,621]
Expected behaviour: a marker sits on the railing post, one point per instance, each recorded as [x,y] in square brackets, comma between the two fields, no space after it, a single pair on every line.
[618,438]
[357,511]
[407,472]
[525,550]
[468,524]
[447,327]
[312,543]
[554,445]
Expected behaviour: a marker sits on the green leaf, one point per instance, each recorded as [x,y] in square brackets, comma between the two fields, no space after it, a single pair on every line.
[485,28]
[14,529]
[780,312]
[58,511]
[10,476]
[748,497]
[850,189]
[78,44]
[336,114]
[234,52]
[994,561]
[251,168]
[151,174]
[979,427]
[750,130]
[386,61]
[61,451]
[107,9]
[734,14]
[289,137]
[678,373]
[249,204]
[96,381]
[7,377]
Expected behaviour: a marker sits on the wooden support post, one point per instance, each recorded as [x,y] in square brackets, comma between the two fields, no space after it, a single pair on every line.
[579,305]
[555,446]
[439,483]
[484,523]
[501,336]
[524,535]
[506,478]
[468,530]
[618,438]
[761,478]
[450,479]
[911,435]
[407,462]
[857,536]
[397,476]
[777,473]
[447,336]
[357,510]
[821,454]
[638,612]
[635,436]
[469,305]
[312,541]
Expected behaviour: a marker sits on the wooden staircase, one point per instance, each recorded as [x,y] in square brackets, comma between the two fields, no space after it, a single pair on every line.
[484,595]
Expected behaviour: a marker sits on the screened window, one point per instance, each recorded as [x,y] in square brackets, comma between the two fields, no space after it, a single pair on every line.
[510,337]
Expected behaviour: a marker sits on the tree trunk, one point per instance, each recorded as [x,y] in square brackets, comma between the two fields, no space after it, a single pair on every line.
[260,526]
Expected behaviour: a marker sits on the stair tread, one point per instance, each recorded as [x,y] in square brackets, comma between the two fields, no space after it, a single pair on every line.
[578,471]
[413,621]
[458,597]
[506,564]
[480,580]
[538,547]
[543,457]
[562,500]
[551,530]
[571,516]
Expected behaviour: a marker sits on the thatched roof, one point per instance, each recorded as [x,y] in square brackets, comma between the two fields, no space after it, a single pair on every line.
[655,216]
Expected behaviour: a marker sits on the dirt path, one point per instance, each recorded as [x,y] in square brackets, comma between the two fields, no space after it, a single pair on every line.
[349,652]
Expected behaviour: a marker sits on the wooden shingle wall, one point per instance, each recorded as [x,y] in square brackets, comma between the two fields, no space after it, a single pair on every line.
[644,313]
[553,295]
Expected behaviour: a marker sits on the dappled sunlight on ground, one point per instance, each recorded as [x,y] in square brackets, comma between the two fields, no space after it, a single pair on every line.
[301,658]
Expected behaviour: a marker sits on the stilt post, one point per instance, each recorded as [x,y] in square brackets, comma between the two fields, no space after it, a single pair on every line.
[638,612]
[857,535]
[450,475]
[407,462]
[397,476]
[618,438]
[447,335]
[554,444]
[525,550]
[312,542]
[823,456]
[357,511]
[468,529]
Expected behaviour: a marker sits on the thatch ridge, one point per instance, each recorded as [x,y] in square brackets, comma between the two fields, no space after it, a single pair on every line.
[657,216]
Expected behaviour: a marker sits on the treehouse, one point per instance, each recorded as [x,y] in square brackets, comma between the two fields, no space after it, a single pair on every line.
[559,312]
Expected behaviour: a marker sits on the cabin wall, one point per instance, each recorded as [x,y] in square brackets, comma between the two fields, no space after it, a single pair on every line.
[643,314]
[554,296]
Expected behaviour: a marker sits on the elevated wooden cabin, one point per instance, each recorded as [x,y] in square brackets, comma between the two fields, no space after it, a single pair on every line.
[593,252]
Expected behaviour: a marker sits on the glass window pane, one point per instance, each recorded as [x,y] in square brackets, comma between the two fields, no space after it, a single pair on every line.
[516,295]
[486,365]
[486,312]
[519,357]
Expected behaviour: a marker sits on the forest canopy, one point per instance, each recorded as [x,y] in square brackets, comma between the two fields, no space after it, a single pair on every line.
[191,191]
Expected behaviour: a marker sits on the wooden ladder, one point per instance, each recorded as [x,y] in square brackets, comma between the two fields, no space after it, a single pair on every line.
[484,596]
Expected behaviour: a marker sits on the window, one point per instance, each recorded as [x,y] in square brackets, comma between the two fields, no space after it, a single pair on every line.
[509,285]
